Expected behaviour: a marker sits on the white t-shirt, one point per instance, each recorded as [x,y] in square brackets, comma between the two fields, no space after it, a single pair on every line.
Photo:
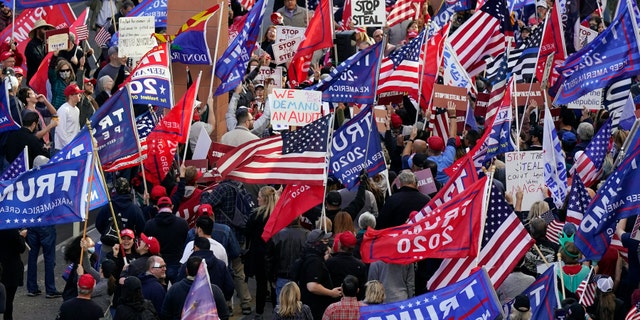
[68,125]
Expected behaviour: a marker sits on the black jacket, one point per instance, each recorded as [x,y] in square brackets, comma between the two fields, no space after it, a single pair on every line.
[13,245]
[218,272]
[171,232]
[398,207]
[283,249]
[177,295]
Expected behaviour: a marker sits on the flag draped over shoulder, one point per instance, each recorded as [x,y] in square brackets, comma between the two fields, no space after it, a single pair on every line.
[588,164]
[504,242]
[350,152]
[189,45]
[319,35]
[168,133]
[433,236]
[354,80]
[614,200]
[200,303]
[297,157]
[150,81]
[294,201]
[231,66]
[555,172]
[612,55]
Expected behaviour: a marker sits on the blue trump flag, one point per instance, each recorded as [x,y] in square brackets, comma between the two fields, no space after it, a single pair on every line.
[612,55]
[354,80]
[23,4]
[350,152]
[80,145]
[152,8]
[6,121]
[471,298]
[114,128]
[542,294]
[231,66]
[53,194]
[615,200]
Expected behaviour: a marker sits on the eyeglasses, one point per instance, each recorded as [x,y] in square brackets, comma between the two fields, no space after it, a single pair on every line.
[164,266]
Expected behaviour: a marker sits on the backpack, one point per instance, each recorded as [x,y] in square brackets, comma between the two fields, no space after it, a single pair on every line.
[110,237]
[243,208]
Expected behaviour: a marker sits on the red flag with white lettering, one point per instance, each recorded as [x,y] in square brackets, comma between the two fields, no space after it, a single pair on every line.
[294,201]
[459,218]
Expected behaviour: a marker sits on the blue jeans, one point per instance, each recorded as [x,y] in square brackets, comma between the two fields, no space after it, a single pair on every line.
[280,282]
[44,237]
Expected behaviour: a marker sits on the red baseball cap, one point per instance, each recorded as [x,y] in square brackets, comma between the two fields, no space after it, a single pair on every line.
[205,210]
[436,143]
[164,202]
[6,55]
[86,282]
[158,192]
[127,233]
[152,243]
[72,89]
[18,70]
[88,80]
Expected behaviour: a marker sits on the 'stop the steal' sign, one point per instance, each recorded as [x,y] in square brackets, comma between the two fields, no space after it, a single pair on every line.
[284,33]
[368,13]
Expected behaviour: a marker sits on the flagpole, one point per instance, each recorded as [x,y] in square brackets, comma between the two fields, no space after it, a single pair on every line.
[13,20]
[564,294]
[421,66]
[385,40]
[483,218]
[324,182]
[186,145]
[215,54]
[633,20]
[433,115]
[26,157]
[91,177]
[173,99]
[627,142]
[555,280]
[135,133]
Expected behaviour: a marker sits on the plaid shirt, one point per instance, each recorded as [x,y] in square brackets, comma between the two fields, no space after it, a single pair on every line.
[223,198]
[348,308]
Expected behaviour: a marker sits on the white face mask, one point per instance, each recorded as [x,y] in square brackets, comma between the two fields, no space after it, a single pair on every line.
[91,250]
[65,74]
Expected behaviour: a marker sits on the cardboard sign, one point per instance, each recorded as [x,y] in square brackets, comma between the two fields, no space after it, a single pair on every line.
[136,37]
[591,101]
[585,35]
[380,113]
[285,50]
[524,90]
[426,183]
[525,169]
[284,33]
[268,73]
[448,97]
[482,103]
[368,13]
[202,145]
[295,107]
[57,39]
[390,97]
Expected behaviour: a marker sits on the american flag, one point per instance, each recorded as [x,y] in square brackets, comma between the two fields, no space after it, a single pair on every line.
[588,164]
[247,4]
[482,35]
[525,68]
[554,227]
[504,242]
[579,200]
[634,313]
[103,35]
[403,10]
[82,32]
[587,289]
[294,157]
[145,124]
[17,167]
[400,70]
[79,27]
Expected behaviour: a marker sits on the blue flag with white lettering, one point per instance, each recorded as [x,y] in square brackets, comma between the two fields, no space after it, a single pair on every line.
[6,121]
[446,12]
[231,66]
[53,194]
[23,4]
[354,80]
[612,55]
[350,152]
[152,8]
[543,296]
[114,128]
[615,200]
[471,298]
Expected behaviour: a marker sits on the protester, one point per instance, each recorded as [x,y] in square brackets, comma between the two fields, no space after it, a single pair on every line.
[343,263]
[61,77]
[133,305]
[398,280]
[374,293]
[219,274]
[398,207]
[154,281]
[293,15]
[106,286]
[290,306]
[282,250]
[26,137]
[147,247]
[79,247]
[68,117]
[82,307]
[348,307]
[12,277]
[36,49]
[29,100]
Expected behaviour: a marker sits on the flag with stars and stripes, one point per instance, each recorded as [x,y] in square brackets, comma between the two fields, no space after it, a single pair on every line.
[145,124]
[504,242]
[103,35]
[588,164]
[554,227]
[579,200]
[587,289]
[611,56]
[482,35]
[525,68]
[150,80]
[400,71]
[79,27]
[291,158]
[634,313]
[403,10]
[17,167]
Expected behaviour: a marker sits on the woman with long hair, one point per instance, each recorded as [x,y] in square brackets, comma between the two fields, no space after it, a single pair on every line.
[60,76]
[374,293]
[290,307]
[255,259]
[343,222]
[133,305]
[72,256]
[606,305]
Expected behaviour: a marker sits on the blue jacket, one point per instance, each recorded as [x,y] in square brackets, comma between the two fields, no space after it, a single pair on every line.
[218,272]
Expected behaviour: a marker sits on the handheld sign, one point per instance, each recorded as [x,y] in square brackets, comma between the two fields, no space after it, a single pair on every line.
[285,50]
[448,96]
[57,39]
[295,107]
[426,183]
[368,13]
[591,100]
[524,90]
[268,73]
[380,113]
[524,169]
[135,38]
[284,33]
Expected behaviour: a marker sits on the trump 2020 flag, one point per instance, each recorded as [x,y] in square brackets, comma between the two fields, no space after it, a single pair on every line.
[6,121]
[628,116]
[555,169]
[470,298]
[232,65]
[151,8]
[350,152]
[114,128]
[615,200]
[199,303]
[354,80]
[190,46]
[612,55]
[542,294]
[150,81]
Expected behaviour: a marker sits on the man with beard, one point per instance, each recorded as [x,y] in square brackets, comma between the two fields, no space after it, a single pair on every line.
[36,48]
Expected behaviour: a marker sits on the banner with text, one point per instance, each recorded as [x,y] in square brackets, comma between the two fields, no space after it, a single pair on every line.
[524,90]
[368,13]
[150,81]
[525,170]
[449,96]
[267,73]
[295,107]
[136,37]
[284,33]
[591,101]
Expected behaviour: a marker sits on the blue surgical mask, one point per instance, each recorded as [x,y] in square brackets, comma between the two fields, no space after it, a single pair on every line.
[91,250]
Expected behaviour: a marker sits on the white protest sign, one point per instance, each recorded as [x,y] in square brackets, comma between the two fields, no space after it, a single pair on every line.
[524,169]
[285,50]
[57,39]
[591,101]
[202,145]
[135,37]
[284,33]
[268,73]
[295,107]
[585,35]
[368,13]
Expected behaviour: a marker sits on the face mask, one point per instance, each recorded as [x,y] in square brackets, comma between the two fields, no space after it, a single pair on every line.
[65,74]
[91,250]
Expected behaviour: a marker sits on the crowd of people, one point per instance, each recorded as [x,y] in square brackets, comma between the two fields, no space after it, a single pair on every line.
[152,243]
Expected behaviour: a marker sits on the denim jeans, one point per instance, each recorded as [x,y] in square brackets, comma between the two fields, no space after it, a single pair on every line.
[280,282]
[44,237]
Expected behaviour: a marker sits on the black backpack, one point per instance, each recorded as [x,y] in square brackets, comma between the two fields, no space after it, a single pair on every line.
[110,237]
